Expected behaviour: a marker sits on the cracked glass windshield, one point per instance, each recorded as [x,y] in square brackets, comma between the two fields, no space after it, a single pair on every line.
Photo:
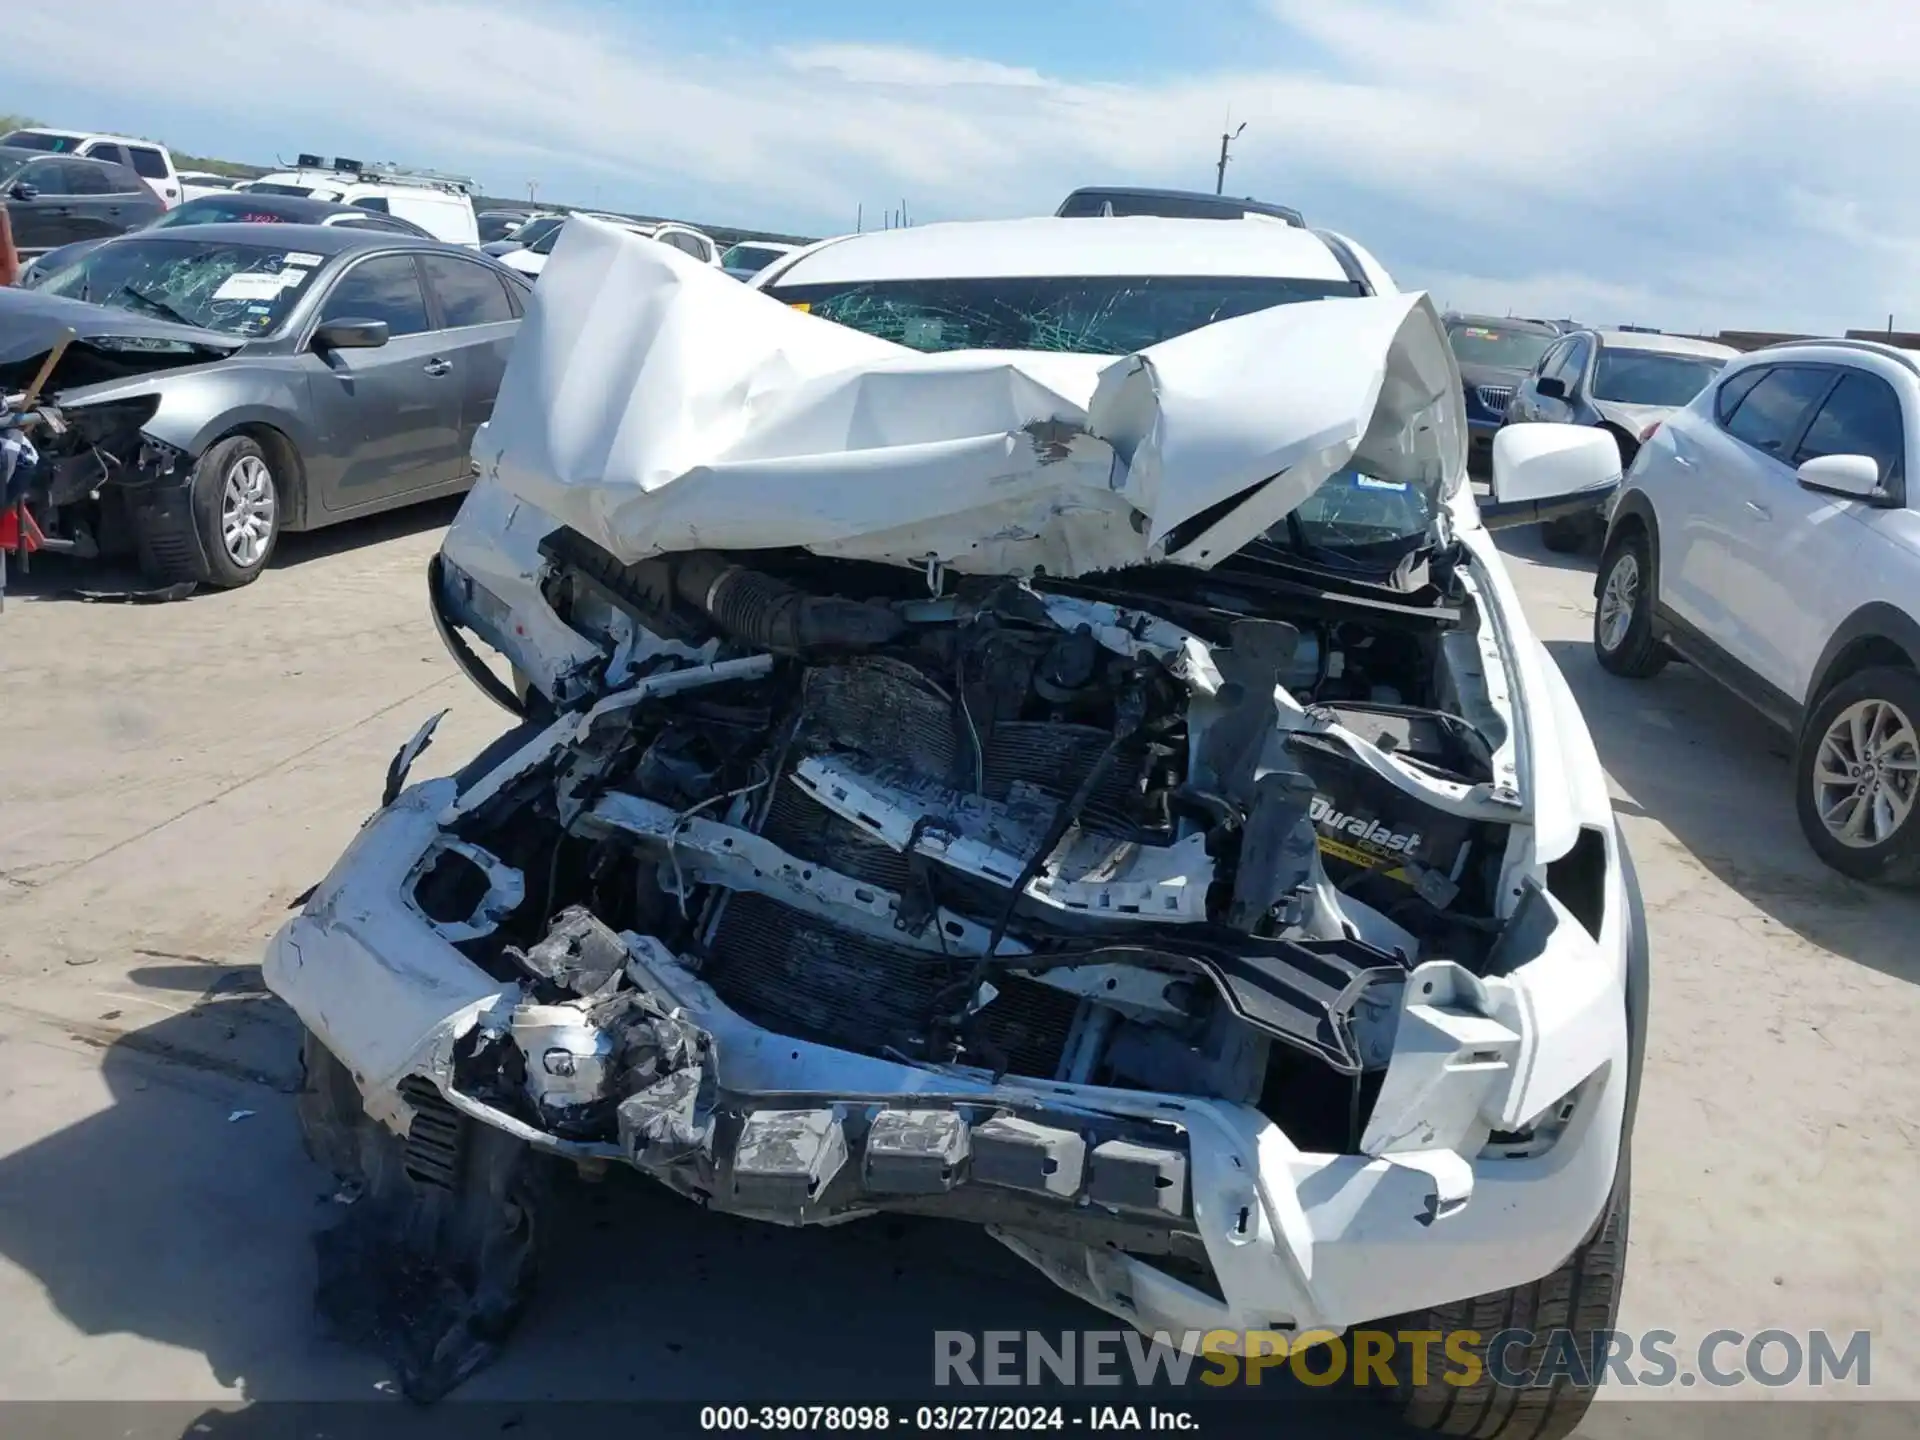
[1098,315]
[217,285]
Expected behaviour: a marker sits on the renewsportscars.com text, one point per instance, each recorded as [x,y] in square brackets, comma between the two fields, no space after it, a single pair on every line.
[1721,1358]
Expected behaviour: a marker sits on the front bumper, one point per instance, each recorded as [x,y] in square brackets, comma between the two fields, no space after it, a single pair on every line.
[1293,1239]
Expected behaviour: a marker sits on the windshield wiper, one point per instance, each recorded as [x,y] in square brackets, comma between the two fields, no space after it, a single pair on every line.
[158,307]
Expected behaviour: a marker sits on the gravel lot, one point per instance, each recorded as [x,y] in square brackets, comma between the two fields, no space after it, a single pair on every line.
[175,774]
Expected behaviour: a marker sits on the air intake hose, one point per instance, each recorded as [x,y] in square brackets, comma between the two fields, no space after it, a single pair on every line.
[757,609]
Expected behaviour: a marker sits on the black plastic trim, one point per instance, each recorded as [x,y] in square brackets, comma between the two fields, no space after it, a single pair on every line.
[1708,656]
[1876,620]
[1343,253]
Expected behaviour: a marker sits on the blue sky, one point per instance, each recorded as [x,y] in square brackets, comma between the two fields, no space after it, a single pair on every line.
[1715,163]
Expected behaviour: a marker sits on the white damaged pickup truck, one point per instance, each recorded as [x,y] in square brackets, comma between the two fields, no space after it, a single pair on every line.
[1112,799]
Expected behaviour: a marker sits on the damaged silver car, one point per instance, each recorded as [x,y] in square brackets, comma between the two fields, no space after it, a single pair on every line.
[1110,796]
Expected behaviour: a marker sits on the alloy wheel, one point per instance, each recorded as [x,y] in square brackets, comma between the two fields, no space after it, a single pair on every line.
[1617,598]
[246,511]
[1866,773]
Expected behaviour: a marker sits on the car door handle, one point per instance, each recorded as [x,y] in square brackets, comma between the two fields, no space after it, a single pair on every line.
[1759,510]
[1682,461]
[438,366]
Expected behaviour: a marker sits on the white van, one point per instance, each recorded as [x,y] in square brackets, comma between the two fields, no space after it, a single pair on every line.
[440,204]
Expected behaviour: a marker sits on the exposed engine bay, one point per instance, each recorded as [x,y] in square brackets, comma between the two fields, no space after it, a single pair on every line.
[75,472]
[1111,800]
[1027,829]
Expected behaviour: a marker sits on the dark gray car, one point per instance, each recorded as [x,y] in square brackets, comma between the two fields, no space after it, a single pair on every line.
[54,200]
[234,381]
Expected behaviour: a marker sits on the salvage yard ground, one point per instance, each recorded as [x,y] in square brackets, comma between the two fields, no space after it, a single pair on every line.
[174,775]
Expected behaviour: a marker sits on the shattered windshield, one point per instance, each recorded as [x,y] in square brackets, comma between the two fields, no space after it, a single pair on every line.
[1358,520]
[246,290]
[1089,315]
[1647,377]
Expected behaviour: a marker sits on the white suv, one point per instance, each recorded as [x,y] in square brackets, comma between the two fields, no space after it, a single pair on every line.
[152,162]
[1041,487]
[1765,534]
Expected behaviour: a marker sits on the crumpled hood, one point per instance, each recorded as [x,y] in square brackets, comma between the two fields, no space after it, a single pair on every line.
[655,405]
[31,322]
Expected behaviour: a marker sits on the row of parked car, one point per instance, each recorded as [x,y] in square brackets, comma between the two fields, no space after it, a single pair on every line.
[63,187]
[1762,532]
[1625,382]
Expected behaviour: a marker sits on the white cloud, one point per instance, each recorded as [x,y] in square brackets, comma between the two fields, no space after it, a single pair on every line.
[897,66]
[1733,162]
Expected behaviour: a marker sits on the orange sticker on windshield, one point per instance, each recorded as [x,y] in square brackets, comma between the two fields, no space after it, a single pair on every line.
[805,307]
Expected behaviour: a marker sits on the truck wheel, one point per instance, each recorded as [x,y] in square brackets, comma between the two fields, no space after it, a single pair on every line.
[1566,1317]
[1857,776]
[328,1108]
[1623,638]
[231,524]
[1567,535]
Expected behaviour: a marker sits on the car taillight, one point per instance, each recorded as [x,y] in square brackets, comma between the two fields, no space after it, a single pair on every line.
[1647,434]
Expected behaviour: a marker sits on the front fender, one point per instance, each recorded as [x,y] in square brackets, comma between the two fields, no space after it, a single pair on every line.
[198,409]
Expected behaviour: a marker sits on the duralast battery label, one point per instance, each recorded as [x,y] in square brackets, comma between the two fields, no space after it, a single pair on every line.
[1361,832]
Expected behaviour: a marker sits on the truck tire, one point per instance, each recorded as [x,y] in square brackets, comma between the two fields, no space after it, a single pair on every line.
[1566,536]
[1581,1299]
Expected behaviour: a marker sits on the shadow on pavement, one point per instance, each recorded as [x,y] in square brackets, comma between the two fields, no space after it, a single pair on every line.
[1716,775]
[1524,542]
[61,577]
[297,549]
[184,1214]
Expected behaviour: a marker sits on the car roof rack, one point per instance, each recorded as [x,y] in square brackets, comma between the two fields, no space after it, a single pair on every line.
[386,173]
[1180,203]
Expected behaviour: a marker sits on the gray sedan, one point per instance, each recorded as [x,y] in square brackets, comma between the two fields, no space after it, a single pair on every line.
[234,381]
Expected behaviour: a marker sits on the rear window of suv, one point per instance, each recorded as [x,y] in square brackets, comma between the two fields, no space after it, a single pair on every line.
[1089,315]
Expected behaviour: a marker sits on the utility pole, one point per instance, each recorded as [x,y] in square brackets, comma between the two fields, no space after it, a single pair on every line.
[860,217]
[532,186]
[1220,176]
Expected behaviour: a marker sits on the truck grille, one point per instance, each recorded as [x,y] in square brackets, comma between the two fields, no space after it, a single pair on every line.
[1495,397]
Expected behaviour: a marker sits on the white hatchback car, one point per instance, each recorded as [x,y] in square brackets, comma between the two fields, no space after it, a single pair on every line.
[1101,786]
[1766,533]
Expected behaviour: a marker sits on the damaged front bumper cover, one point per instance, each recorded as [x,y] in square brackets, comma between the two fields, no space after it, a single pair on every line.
[1491,1148]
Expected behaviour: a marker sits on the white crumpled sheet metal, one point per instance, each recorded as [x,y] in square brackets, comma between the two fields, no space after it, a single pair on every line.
[657,405]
